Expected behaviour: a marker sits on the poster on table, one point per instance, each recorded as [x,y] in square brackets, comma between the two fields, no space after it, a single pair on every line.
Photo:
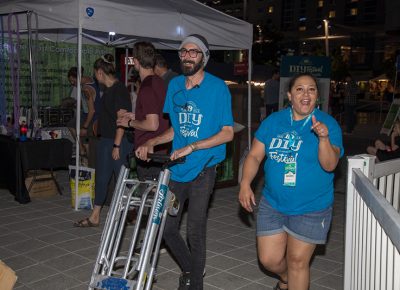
[319,66]
[54,61]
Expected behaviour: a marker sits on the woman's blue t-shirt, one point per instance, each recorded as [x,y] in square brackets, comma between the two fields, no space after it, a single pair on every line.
[197,114]
[286,141]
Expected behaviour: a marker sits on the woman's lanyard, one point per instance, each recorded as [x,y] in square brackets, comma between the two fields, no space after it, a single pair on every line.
[289,176]
[305,122]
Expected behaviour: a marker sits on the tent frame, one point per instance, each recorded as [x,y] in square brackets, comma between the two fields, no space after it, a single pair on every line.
[82,31]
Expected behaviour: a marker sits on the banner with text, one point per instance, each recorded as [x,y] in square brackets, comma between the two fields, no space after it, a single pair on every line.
[54,61]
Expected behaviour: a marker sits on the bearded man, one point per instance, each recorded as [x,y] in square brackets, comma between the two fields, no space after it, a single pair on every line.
[199,107]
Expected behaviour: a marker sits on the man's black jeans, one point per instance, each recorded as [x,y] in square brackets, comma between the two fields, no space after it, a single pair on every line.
[191,257]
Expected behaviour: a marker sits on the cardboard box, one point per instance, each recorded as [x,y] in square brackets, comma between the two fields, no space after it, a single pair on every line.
[43,186]
[7,277]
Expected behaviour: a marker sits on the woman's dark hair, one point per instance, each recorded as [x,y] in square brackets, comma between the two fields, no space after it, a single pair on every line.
[73,72]
[294,79]
[106,64]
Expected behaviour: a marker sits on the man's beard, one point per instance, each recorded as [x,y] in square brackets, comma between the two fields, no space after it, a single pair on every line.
[188,71]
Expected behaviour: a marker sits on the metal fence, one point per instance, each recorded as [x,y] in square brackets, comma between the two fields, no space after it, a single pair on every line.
[372,240]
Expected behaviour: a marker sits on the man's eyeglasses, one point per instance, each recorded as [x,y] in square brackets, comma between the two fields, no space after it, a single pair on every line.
[192,52]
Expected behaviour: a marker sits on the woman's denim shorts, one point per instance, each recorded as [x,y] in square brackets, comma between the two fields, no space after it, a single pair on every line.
[311,227]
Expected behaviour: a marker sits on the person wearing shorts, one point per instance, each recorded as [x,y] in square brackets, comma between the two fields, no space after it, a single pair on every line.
[302,146]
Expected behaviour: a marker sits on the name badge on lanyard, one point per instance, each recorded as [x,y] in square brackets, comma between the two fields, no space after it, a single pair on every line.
[289,175]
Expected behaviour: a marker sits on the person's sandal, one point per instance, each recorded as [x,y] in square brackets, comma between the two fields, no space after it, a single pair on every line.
[85,223]
[278,287]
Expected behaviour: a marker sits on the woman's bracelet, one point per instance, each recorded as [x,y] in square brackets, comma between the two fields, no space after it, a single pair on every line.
[116,146]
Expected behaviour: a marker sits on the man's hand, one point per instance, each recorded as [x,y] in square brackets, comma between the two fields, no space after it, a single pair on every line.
[181,152]
[115,154]
[124,117]
[142,151]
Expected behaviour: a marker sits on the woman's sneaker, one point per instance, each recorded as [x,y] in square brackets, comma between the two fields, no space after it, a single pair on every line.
[184,281]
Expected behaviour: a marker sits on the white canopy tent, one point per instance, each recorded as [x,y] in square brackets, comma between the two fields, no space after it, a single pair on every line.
[163,22]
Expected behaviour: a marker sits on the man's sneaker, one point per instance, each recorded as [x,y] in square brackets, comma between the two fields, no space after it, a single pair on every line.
[184,281]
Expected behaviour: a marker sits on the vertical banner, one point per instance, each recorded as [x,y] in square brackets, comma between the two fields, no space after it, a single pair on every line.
[318,66]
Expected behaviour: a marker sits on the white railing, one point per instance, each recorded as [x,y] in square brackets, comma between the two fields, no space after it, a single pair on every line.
[372,240]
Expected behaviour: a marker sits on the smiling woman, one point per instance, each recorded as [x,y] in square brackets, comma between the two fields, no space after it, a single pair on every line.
[302,146]
[303,94]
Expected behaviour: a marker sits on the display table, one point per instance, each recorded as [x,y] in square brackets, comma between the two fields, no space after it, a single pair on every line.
[19,157]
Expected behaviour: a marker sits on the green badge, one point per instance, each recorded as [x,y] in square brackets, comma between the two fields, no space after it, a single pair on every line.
[290,174]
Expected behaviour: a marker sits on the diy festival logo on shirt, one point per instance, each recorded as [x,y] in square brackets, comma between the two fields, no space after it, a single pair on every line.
[284,147]
[190,120]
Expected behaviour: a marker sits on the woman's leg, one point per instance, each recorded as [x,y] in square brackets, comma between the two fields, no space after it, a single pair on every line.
[298,258]
[380,145]
[271,253]
[104,170]
[371,150]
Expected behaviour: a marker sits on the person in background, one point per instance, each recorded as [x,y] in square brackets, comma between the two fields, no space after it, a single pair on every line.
[199,107]
[271,93]
[148,120]
[90,93]
[386,152]
[302,146]
[112,148]
[161,69]
[351,92]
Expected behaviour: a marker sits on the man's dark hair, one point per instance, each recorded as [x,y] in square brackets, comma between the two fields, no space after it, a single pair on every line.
[160,61]
[145,53]
[73,72]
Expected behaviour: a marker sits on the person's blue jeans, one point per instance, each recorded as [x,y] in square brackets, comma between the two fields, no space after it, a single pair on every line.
[191,257]
[106,165]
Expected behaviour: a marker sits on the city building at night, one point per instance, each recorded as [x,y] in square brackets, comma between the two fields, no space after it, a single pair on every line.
[365,33]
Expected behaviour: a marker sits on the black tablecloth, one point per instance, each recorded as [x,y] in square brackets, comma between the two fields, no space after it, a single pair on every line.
[19,157]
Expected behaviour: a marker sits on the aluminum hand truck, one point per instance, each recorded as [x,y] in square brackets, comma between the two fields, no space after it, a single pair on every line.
[116,268]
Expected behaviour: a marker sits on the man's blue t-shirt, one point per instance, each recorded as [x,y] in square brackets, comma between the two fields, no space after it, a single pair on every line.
[287,141]
[197,114]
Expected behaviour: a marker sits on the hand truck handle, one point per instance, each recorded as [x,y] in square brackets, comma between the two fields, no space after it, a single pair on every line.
[165,159]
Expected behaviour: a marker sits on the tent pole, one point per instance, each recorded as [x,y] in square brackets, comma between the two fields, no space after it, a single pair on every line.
[78,107]
[249,99]
[126,65]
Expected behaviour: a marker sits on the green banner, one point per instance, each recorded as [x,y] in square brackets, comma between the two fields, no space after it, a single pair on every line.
[54,61]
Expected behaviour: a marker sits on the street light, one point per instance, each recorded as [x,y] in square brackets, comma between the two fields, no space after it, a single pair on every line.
[326,37]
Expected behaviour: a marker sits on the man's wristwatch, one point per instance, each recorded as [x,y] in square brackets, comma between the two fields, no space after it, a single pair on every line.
[129,123]
[116,146]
